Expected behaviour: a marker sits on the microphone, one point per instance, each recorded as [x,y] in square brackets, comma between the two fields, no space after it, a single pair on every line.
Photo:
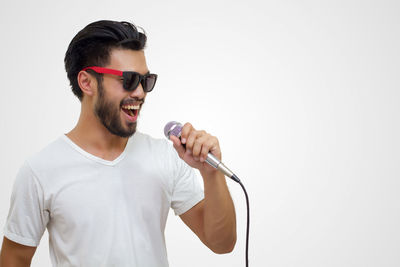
[175,128]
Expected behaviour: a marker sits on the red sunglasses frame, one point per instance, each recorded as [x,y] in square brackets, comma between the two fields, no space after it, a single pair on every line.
[127,76]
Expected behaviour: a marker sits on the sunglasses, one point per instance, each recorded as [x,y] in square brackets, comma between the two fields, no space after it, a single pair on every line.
[131,79]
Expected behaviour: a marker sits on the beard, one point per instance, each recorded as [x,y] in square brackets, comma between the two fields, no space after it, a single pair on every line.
[109,115]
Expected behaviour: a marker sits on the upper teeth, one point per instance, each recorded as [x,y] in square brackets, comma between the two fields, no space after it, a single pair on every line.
[131,107]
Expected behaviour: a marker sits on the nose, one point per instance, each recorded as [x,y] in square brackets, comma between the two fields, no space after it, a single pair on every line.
[138,92]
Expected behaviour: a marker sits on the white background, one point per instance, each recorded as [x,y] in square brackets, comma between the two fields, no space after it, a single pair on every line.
[303,95]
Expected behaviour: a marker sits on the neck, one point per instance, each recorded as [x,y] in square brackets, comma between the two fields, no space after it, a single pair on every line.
[91,135]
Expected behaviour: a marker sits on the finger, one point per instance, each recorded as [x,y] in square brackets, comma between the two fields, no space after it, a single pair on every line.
[186,129]
[177,145]
[215,149]
[210,145]
[197,147]
[199,143]
[193,136]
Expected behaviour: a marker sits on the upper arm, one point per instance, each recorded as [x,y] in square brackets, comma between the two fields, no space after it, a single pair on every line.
[194,219]
[14,254]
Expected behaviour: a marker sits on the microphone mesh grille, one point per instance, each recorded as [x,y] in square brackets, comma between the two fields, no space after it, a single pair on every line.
[173,128]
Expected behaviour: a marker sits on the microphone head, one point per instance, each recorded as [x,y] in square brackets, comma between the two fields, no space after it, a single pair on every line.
[173,128]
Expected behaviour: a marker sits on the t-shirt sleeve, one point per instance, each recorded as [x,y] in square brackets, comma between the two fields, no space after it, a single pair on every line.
[187,189]
[27,217]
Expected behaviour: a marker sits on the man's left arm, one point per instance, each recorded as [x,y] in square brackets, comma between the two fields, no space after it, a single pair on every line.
[213,219]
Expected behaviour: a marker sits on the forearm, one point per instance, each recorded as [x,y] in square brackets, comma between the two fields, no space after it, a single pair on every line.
[15,255]
[219,213]
[13,261]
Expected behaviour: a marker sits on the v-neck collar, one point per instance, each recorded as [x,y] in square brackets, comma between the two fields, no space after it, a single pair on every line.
[93,157]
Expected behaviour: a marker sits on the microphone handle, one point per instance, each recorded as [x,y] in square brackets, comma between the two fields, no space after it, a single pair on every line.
[217,164]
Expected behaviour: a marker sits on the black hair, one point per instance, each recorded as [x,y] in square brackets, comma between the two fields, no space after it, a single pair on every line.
[93,44]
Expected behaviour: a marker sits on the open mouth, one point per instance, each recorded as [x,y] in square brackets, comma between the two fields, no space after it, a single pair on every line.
[131,111]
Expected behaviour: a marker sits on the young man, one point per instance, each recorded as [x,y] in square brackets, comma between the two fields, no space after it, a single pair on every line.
[103,190]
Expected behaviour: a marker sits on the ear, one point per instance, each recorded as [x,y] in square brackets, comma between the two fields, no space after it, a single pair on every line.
[87,83]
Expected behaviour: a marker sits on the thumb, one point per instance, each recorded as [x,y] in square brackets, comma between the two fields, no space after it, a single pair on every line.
[177,145]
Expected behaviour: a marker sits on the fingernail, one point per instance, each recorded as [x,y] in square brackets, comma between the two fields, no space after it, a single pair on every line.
[183,140]
[201,159]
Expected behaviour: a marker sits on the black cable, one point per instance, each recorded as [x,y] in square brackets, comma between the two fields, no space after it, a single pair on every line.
[236,179]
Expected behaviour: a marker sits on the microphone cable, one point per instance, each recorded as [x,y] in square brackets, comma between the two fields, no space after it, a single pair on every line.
[236,179]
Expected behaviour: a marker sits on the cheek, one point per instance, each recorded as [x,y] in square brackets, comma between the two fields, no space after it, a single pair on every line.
[114,92]
[114,86]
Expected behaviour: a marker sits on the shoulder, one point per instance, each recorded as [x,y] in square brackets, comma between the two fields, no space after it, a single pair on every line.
[50,151]
[50,157]
[149,143]
[159,151]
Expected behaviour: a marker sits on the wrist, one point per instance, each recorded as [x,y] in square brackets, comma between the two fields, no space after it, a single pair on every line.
[210,173]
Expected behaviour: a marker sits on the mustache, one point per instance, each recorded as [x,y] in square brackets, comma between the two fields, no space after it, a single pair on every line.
[133,101]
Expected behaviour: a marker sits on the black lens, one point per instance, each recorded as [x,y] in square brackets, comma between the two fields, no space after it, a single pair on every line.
[131,80]
[149,82]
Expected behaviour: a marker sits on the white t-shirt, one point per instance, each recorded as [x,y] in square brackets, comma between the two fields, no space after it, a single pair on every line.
[99,212]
